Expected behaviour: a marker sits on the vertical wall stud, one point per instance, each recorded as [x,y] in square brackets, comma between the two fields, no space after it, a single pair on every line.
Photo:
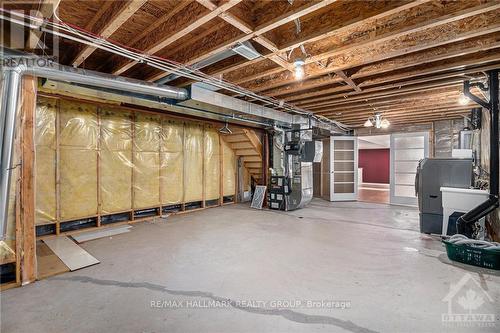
[204,181]
[221,171]
[132,158]
[58,168]
[28,106]
[98,143]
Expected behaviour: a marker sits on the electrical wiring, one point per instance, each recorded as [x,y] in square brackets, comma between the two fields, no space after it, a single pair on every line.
[66,30]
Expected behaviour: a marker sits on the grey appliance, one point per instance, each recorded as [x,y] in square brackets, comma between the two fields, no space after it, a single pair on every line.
[432,174]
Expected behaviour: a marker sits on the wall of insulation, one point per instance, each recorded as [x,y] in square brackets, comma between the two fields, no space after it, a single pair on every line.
[110,160]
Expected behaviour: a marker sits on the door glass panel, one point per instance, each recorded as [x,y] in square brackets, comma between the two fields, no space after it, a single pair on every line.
[405,179]
[344,188]
[344,165]
[407,149]
[406,167]
[340,144]
[344,177]
[409,154]
[344,155]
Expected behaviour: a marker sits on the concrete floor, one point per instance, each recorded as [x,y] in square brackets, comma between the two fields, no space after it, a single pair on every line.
[369,255]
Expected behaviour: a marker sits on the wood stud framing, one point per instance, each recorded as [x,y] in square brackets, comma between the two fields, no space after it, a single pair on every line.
[27,216]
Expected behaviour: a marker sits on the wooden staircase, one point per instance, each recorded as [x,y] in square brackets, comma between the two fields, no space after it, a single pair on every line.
[246,143]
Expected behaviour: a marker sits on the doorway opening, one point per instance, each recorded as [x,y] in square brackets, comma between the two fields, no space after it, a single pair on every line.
[374,169]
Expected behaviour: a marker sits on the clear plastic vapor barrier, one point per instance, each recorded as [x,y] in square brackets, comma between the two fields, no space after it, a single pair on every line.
[98,160]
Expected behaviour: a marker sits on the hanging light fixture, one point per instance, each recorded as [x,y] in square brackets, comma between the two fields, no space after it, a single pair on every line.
[299,69]
[377,121]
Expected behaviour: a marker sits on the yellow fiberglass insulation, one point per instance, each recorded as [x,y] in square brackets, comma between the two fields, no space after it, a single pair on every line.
[110,160]
[115,161]
[147,161]
[45,147]
[193,162]
[229,170]
[212,163]
[172,162]
[78,159]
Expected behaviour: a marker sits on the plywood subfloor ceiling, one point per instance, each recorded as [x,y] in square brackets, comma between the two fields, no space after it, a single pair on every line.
[406,59]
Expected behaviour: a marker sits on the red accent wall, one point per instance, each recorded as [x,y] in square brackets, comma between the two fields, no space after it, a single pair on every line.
[375,164]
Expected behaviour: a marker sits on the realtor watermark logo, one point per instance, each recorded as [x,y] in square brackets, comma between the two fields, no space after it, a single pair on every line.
[24,30]
[250,304]
[467,303]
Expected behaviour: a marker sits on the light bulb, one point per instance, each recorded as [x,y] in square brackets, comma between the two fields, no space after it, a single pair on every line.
[368,123]
[299,69]
[385,123]
[463,100]
[299,72]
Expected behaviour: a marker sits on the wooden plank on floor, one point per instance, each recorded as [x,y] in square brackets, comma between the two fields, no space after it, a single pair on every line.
[70,253]
[48,264]
[96,234]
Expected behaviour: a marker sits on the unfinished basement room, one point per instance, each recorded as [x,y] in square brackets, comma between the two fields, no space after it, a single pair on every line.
[249,166]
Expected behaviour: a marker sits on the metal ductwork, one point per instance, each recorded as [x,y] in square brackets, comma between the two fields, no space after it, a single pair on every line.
[208,100]
[11,87]
[470,218]
[235,108]
[293,154]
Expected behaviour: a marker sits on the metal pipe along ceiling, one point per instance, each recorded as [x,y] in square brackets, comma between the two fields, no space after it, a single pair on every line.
[10,99]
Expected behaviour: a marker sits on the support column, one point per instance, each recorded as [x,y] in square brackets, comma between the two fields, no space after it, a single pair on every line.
[27,188]
[265,164]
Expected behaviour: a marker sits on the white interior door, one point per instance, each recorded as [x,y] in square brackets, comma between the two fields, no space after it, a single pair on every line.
[407,149]
[343,168]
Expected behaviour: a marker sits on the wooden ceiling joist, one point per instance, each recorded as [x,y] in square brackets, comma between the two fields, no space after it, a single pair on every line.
[448,66]
[407,58]
[402,109]
[342,25]
[405,116]
[119,18]
[387,50]
[419,27]
[402,116]
[482,43]
[171,38]
[415,78]
[305,9]
[408,102]
[451,77]
[47,10]
[399,87]
[392,93]
[314,94]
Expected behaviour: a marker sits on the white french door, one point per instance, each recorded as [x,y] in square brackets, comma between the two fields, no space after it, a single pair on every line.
[343,168]
[407,149]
